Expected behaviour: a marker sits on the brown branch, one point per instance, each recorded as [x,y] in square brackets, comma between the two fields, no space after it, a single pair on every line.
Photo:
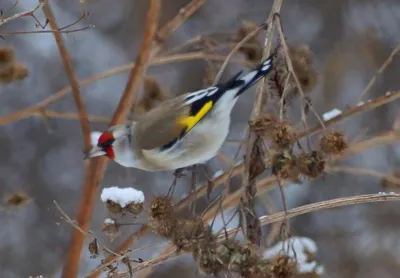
[28,112]
[380,71]
[178,20]
[61,31]
[269,183]
[94,176]
[67,62]
[252,227]
[42,4]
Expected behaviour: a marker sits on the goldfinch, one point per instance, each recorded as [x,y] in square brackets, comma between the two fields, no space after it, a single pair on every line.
[181,132]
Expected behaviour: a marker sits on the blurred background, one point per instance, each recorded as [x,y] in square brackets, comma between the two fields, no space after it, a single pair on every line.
[349,39]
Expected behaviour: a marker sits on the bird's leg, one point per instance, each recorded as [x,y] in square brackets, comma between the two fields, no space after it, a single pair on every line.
[179,173]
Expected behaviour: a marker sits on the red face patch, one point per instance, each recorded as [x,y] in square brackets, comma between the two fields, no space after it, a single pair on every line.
[105,143]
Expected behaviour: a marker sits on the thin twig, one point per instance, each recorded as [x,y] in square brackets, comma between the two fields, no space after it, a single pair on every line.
[46,31]
[67,62]
[28,112]
[42,3]
[91,186]
[380,71]
[235,49]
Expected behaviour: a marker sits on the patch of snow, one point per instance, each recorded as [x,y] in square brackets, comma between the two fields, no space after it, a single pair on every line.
[122,196]
[331,114]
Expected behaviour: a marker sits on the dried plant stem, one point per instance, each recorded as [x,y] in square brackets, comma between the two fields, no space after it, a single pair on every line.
[380,71]
[95,174]
[293,73]
[61,30]
[42,3]
[69,116]
[28,112]
[234,50]
[324,205]
[67,62]
[182,16]
[362,171]
[252,228]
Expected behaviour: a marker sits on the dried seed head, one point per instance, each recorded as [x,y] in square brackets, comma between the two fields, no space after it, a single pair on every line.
[6,56]
[93,248]
[283,266]
[388,183]
[280,82]
[253,49]
[283,136]
[160,207]
[13,72]
[190,233]
[244,260]
[263,125]
[16,200]
[333,143]
[114,207]
[207,259]
[283,165]
[111,228]
[226,249]
[311,165]
[134,208]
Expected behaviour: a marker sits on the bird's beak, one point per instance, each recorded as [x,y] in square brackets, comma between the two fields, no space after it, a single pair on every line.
[96,151]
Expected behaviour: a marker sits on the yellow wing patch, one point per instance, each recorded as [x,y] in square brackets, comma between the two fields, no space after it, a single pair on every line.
[191,121]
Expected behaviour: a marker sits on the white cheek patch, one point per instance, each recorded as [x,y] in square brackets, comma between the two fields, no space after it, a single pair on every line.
[94,137]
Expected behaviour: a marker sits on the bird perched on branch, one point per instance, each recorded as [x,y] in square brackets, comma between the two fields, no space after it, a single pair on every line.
[181,132]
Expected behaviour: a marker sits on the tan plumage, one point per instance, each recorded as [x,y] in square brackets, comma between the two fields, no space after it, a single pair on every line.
[186,130]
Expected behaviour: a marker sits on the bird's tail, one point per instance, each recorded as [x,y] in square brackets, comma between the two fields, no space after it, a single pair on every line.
[241,84]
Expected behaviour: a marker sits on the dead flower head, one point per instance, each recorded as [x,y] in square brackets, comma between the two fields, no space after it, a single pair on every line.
[93,248]
[111,228]
[312,164]
[253,49]
[207,259]
[16,200]
[282,84]
[162,217]
[283,136]
[263,125]
[190,233]
[282,266]
[283,165]
[333,143]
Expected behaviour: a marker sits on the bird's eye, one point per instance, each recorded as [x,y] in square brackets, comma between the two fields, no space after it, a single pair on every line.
[105,140]
[106,143]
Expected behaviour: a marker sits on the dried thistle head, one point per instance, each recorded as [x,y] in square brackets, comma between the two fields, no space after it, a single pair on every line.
[282,266]
[13,72]
[312,164]
[190,233]
[263,125]
[162,218]
[6,56]
[161,206]
[134,208]
[281,82]
[333,143]
[111,228]
[283,135]
[16,200]
[207,259]
[283,165]
[244,260]
[253,49]
[93,248]
[152,94]
[226,249]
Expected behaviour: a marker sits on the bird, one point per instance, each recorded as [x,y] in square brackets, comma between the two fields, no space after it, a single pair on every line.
[181,132]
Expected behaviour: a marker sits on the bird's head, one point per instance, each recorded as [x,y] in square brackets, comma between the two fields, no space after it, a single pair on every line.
[109,143]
